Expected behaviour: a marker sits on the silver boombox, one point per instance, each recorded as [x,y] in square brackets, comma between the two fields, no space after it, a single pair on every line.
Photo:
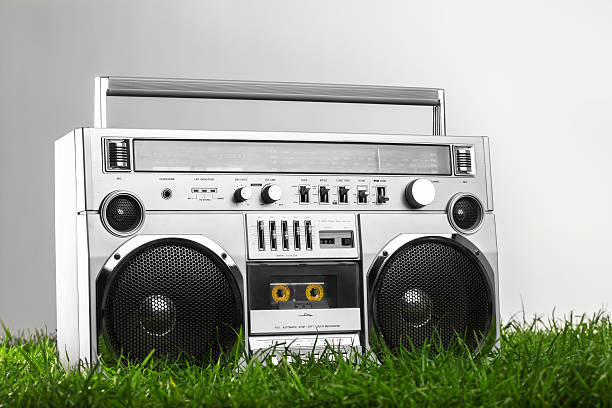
[183,242]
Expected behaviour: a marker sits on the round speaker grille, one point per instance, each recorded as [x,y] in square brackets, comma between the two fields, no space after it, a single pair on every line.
[122,213]
[172,296]
[466,213]
[431,289]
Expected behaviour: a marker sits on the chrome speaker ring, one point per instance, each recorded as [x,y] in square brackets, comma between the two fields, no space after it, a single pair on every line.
[104,208]
[450,213]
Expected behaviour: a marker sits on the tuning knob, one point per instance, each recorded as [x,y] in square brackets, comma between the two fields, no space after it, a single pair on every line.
[271,193]
[243,194]
[420,192]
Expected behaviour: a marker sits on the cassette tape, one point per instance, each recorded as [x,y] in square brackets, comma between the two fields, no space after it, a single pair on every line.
[306,294]
[319,285]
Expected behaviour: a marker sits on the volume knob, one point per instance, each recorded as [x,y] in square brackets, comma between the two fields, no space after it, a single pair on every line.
[271,193]
[420,192]
[242,194]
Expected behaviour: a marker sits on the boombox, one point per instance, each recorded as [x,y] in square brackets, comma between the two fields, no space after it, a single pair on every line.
[189,243]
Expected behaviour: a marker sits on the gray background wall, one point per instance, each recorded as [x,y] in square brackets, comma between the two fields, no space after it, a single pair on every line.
[534,76]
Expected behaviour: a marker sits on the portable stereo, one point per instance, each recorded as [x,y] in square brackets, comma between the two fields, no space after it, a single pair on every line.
[187,242]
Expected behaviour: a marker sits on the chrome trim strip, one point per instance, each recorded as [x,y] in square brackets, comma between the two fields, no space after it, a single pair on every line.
[83,290]
[66,258]
[489,177]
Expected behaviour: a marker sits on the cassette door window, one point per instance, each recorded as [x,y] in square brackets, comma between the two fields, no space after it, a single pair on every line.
[303,286]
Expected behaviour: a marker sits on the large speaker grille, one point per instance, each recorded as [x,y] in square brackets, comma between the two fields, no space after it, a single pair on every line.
[431,289]
[172,296]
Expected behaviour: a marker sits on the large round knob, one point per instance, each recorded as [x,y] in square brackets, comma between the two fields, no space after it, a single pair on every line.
[420,192]
[243,194]
[271,193]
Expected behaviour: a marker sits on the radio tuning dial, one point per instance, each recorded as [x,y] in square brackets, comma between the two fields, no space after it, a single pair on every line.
[242,194]
[271,193]
[420,192]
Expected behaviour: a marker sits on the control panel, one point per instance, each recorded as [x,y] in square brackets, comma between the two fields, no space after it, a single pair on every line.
[221,192]
[298,235]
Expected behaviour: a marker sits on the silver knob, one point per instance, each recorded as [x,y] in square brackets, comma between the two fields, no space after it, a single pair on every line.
[243,194]
[420,192]
[271,193]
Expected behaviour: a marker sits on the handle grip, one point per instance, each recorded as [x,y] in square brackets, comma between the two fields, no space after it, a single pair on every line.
[271,91]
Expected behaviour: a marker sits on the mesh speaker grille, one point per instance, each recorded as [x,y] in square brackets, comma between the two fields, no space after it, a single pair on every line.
[123,213]
[467,213]
[172,296]
[431,289]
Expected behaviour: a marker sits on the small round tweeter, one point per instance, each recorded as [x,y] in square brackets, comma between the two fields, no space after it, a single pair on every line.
[122,213]
[465,213]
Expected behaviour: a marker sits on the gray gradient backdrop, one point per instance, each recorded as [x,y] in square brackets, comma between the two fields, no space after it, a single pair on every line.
[534,76]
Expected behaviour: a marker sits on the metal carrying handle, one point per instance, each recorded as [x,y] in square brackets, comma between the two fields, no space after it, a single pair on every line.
[271,91]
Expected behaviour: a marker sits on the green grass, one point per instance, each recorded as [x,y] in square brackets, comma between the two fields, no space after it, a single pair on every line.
[539,364]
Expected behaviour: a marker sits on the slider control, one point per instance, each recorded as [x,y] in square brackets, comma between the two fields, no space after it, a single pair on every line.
[308,230]
[285,235]
[297,244]
[273,235]
[261,235]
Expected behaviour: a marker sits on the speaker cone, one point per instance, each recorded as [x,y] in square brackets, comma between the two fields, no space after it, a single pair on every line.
[122,213]
[157,314]
[465,213]
[431,289]
[173,296]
